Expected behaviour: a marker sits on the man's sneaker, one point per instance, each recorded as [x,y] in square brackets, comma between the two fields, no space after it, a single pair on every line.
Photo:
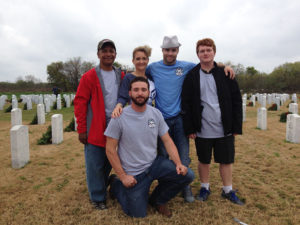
[187,194]
[99,205]
[111,179]
[231,196]
[203,194]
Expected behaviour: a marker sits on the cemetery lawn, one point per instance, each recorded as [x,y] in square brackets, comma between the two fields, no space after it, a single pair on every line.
[51,189]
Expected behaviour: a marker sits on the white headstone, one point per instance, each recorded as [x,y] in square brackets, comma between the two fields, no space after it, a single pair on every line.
[293,128]
[269,99]
[244,100]
[35,99]
[57,128]
[47,105]
[2,101]
[72,97]
[58,102]
[293,108]
[68,101]
[53,99]
[262,118]
[16,117]
[75,123]
[29,103]
[41,100]
[282,99]
[264,101]
[277,102]
[14,103]
[19,143]
[294,98]
[41,113]
[253,100]
[244,112]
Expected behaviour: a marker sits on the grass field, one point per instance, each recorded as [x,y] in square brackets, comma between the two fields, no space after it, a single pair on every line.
[51,189]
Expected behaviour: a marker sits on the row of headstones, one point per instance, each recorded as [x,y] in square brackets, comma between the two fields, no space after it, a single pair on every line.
[16,116]
[263,99]
[19,138]
[47,100]
[292,123]
[279,99]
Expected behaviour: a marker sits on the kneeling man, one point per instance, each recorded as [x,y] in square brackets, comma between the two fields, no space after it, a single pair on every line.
[136,162]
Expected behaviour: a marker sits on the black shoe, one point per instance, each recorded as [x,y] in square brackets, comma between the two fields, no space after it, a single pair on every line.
[203,194]
[111,179]
[231,196]
[99,205]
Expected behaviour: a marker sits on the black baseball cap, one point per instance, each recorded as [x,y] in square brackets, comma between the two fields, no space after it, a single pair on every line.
[105,42]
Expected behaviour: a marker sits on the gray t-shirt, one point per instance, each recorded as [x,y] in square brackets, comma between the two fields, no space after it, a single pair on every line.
[137,133]
[212,126]
[111,94]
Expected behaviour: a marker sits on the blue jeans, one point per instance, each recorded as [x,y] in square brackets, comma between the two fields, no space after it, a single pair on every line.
[97,171]
[134,200]
[181,141]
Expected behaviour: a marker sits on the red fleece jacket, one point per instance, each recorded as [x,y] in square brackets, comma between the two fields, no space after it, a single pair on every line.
[89,89]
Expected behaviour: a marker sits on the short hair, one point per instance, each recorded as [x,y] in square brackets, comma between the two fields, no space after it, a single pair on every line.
[206,42]
[139,79]
[146,49]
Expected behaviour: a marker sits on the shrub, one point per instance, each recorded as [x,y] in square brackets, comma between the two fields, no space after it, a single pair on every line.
[25,106]
[273,107]
[46,138]
[283,117]
[63,103]
[34,120]
[71,126]
[250,103]
[8,109]
[54,106]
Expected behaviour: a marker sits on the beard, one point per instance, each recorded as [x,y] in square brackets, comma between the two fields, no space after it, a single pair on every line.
[139,103]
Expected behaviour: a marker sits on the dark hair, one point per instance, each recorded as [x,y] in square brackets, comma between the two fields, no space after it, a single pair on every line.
[139,79]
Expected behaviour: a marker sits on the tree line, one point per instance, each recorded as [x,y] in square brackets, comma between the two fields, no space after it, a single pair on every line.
[66,76]
[284,78]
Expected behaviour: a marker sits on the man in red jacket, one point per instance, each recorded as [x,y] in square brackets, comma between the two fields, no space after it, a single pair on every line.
[94,102]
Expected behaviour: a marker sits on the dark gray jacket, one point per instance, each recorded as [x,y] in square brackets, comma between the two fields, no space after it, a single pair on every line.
[229,96]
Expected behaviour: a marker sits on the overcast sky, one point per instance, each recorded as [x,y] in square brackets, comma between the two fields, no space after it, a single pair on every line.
[35,33]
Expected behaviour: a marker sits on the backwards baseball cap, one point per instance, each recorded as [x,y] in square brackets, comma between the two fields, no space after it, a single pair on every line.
[105,42]
[170,42]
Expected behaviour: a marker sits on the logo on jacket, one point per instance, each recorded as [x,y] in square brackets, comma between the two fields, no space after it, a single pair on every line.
[179,71]
[151,123]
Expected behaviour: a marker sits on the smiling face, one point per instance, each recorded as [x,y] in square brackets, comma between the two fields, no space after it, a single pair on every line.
[140,60]
[107,56]
[170,55]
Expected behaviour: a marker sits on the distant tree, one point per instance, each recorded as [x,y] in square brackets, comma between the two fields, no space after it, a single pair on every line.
[56,76]
[32,79]
[117,64]
[66,75]
[73,70]
[250,70]
[286,77]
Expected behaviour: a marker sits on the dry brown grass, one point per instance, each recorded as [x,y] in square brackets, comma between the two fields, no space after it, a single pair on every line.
[51,189]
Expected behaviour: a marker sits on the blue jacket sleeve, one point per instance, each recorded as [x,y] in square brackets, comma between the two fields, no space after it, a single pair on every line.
[123,96]
[148,73]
